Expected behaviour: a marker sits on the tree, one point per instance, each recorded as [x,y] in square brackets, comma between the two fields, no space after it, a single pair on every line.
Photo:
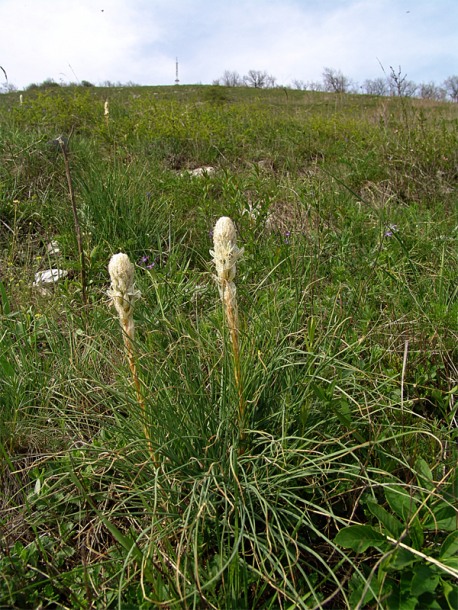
[430,91]
[313,86]
[8,87]
[49,83]
[376,86]
[230,78]
[299,84]
[335,81]
[399,85]
[307,86]
[259,79]
[451,87]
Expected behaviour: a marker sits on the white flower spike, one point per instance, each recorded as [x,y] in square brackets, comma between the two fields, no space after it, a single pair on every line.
[122,292]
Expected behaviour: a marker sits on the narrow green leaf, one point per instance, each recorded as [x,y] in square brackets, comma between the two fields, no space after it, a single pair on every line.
[403,558]
[425,580]
[360,537]
[424,474]
[125,541]
[450,546]
[7,368]
[342,412]
[389,522]
[5,304]
[400,601]
[416,534]
[360,594]
[401,502]
[451,594]
[450,491]
[444,518]
[451,562]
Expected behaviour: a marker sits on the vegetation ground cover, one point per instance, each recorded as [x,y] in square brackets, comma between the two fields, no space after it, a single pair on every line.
[340,490]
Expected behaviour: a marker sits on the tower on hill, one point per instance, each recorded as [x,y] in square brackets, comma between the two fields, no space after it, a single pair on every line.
[177,80]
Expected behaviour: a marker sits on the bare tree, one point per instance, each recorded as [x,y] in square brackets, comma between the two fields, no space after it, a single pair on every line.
[313,86]
[259,79]
[307,85]
[375,86]
[110,83]
[451,87]
[230,78]
[399,85]
[430,91]
[271,81]
[7,87]
[335,81]
[299,84]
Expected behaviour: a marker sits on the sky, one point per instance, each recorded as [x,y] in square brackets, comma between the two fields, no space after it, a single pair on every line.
[293,40]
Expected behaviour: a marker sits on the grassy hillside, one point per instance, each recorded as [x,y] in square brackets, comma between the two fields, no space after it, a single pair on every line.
[303,458]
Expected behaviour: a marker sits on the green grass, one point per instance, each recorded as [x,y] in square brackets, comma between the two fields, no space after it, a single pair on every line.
[342,490]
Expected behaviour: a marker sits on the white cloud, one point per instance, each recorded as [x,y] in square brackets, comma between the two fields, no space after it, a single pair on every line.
[297,39]
[49,38]
[137,40]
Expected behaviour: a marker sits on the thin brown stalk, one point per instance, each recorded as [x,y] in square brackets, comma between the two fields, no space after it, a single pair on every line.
[79,240]
[138,392]
[230,307]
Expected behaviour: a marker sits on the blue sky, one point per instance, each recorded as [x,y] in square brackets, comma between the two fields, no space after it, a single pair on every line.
[138,40]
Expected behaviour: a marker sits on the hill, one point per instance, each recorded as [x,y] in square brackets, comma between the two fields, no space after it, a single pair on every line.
[292,446]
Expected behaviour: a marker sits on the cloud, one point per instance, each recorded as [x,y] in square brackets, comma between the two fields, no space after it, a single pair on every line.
[296,40]
[138,40]
[75,38]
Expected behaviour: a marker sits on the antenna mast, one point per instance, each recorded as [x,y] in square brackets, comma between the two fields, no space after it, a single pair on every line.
[177,80]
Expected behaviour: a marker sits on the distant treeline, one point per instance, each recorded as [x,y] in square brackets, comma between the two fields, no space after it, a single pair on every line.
[394,83]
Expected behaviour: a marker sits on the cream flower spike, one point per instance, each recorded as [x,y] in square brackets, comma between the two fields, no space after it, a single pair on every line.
[225,253]
[122,292]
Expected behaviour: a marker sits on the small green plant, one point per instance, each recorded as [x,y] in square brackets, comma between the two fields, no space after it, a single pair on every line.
[416,535]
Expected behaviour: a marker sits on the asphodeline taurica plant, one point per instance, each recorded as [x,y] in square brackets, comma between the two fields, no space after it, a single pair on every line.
[225,255]
[123,295]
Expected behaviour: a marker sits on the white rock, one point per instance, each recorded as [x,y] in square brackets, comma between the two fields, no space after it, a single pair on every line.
[200,171]
[53,248]
[49,276]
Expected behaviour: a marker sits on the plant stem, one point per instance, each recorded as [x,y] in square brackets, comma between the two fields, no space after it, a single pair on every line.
[230,307]
[133,369]
[76,222]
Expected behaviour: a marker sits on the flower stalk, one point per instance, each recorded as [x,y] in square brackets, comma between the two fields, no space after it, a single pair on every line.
[62,142]
[106,112]
[123,295]
[225,255]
